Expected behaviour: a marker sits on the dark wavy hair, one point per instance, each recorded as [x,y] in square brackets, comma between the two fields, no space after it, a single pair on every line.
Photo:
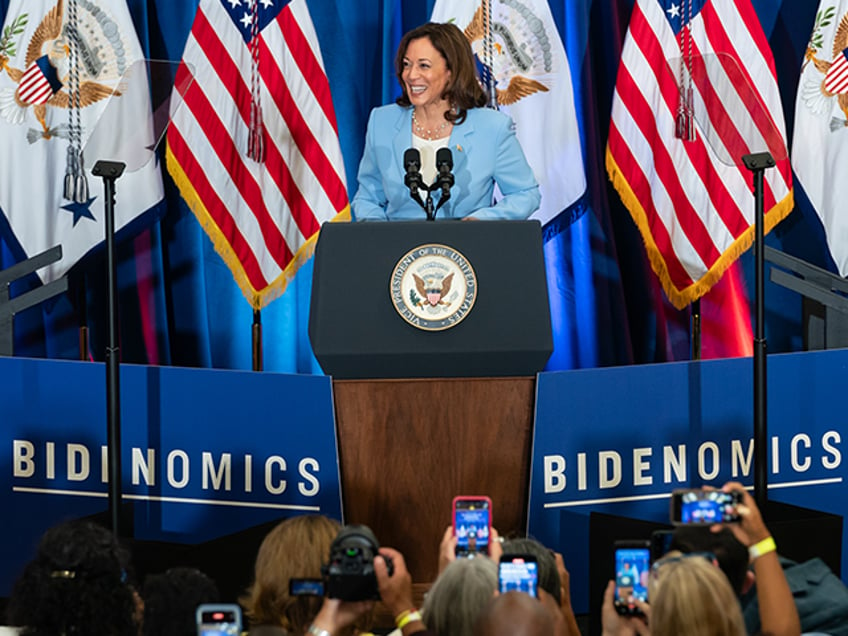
[731,554]
[78,583]
[171,600]
[463,90]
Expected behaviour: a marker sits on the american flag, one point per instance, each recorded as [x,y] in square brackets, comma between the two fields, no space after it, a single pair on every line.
[262,216]
[692,200]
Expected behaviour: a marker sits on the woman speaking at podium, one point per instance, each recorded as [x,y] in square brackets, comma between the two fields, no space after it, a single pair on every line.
[442,106]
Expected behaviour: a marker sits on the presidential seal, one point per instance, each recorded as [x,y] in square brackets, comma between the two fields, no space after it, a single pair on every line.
[433,287]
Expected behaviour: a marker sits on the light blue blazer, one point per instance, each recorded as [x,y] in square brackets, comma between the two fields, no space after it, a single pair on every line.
[485,151]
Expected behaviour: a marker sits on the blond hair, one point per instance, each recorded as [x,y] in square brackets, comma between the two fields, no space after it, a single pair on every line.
[295,548]
[690,595]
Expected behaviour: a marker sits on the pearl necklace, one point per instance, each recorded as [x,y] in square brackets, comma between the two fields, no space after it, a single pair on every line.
[427,134]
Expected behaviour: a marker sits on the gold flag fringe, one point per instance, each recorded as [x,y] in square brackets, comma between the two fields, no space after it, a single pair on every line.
[680,298]
[257,298]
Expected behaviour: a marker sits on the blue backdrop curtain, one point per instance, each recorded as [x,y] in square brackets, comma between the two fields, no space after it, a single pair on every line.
[180,306]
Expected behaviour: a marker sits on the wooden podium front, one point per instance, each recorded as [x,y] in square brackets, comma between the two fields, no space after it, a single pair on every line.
[407,447]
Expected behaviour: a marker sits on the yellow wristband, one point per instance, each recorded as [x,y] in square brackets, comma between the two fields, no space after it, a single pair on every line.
[405,618]
[763,547]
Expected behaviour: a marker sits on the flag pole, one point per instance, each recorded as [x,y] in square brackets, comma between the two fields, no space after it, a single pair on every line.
[757,163]
[82,315]
[257,340]
[695,329]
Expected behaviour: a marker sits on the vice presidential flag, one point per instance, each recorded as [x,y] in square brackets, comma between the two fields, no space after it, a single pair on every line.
[517,45]
[254,147]
[62,64]
[695,212]
[820,141]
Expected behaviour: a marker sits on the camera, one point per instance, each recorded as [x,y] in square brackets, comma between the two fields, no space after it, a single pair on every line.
[218,620]
[349,576]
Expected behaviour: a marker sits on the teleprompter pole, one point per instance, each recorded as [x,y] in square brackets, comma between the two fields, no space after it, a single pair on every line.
[110,171]
[757,164]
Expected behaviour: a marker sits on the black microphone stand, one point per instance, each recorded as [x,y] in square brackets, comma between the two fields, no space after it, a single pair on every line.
[110,171]
[427,203]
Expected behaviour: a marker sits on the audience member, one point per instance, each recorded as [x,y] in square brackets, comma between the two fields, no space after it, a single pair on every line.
[78,583]
[678,601]
[548,573]
[171,600]
[820,597]
[554,579]
[775,606]
[514,614]
[690,595]
[447,548]
[459,595]
[731,555]
[395,592]
[295,548]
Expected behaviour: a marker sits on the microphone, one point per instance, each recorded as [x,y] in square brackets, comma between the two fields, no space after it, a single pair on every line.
[412,165]
[445,180]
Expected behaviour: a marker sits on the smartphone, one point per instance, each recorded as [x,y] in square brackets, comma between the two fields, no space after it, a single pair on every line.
[632,568]
[519,573]
[306,587]
[472,525]
[704,507]
[219,620]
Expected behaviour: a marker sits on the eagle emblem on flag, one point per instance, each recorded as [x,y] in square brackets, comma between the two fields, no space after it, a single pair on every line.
[43,80]
[832,77]
[520,50]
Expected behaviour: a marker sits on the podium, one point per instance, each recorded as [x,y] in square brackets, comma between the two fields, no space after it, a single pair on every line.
[426,414]
[357,332]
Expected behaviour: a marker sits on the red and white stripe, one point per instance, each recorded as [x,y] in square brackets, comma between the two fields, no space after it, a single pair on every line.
[34,87]
[836,80]
[259,215]
[693,201]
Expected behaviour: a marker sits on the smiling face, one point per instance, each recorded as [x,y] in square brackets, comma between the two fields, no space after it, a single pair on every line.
[425,73]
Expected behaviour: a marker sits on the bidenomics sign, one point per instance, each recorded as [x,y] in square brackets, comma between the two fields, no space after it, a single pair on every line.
[204,453]
[619,440]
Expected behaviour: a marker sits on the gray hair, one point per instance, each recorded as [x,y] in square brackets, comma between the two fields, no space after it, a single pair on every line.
[548,574]
[460,595]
